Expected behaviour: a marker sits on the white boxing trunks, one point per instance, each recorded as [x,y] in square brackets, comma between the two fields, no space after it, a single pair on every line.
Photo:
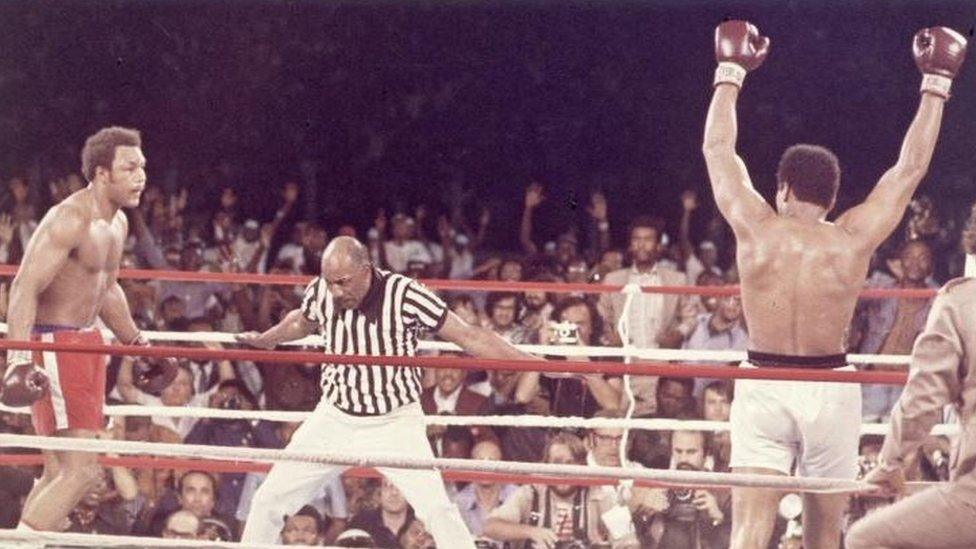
[812,426]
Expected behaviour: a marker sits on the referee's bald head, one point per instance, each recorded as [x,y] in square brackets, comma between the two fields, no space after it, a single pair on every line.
[346,268]
[345,249]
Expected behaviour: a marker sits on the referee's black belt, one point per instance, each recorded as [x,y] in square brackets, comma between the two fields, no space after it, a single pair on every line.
[820,362]
[370,414]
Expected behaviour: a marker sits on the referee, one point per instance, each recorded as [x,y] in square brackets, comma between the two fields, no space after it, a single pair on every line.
[361,310]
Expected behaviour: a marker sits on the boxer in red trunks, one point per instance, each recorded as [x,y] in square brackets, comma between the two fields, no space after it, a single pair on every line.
[67,279]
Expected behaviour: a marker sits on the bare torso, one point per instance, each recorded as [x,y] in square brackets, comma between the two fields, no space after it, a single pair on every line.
[74,296]
[800,283]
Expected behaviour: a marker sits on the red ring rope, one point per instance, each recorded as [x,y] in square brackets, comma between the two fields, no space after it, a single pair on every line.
[475,285]
[669,369]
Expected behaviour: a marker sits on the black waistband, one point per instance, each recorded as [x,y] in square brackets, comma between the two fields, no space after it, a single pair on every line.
[369,414]
[50,328]
[791,361]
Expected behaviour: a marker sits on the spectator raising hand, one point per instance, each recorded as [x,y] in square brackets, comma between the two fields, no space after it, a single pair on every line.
[598,206]
[533,198]
[289,193]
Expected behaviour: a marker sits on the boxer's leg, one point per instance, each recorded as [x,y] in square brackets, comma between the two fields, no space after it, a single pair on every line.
[762,431]
[77,474]
[830,423]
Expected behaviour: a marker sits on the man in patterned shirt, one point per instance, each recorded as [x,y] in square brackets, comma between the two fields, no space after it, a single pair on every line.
[361,310]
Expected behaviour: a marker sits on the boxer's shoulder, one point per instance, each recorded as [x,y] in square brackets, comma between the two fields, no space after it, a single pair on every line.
[68,219]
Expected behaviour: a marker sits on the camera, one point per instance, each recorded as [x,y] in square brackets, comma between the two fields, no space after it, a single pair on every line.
[681,506]
[232,403]
[565,333]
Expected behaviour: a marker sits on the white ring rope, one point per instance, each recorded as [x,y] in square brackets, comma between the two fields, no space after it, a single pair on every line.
[623,328]
[647,424]
[673,477]
[102,540]
[685,355]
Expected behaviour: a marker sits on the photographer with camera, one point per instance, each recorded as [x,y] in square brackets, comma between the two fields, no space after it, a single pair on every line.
[575,321]
[695,518]
[553,517]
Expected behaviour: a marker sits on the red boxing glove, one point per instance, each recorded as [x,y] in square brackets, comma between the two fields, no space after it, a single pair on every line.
[24,383]
[939,52]
[739,48]
[152,375]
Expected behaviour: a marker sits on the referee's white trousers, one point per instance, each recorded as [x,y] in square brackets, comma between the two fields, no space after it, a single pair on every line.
[290,485]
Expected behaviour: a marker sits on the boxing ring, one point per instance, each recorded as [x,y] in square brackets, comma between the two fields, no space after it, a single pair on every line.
[653,362]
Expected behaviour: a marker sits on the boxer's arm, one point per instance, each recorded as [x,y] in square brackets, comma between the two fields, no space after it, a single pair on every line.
[735,196]
[934,382]
[874,220]
[116,315]
[46,255]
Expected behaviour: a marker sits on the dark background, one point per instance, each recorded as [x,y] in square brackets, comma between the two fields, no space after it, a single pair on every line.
[391,104]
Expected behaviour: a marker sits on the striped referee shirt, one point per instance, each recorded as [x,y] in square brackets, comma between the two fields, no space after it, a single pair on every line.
[386,323]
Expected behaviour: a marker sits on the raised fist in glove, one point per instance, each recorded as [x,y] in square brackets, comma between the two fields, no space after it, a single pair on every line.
[24,382]
[152,375]
[739,48]
[939,52]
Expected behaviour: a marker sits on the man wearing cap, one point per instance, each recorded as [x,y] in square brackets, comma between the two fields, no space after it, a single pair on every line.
[403,248]
[354,537]
[249,249]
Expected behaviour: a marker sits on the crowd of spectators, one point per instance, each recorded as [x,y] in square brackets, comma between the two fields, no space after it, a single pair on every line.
[426,243]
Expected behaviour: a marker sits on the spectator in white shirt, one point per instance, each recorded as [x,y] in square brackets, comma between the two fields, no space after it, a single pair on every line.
[404,247]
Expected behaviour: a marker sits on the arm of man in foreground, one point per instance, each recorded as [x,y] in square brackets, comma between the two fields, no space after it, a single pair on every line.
[934,382]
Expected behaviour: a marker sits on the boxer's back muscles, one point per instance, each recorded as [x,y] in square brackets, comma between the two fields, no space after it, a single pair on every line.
[800,282]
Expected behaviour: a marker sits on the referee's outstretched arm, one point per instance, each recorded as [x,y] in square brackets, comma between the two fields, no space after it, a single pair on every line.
[293,326]
[478,341]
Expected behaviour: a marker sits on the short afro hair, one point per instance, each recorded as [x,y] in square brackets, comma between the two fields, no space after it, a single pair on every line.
[812,172]
[99,149]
